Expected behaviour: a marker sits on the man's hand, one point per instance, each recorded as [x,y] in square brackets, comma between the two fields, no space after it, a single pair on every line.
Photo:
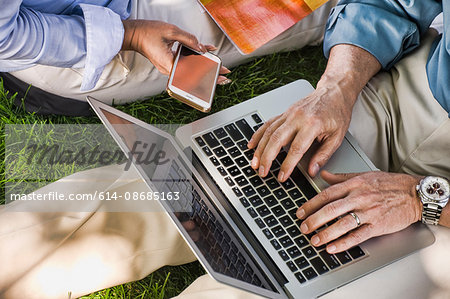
[154,40]
[384,203]
[323,116]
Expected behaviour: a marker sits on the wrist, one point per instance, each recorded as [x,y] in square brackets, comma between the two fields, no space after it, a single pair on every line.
[342,84]
[129,39]
[418,206]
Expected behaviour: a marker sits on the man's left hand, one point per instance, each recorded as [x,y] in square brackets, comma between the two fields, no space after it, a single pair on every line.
[383,202]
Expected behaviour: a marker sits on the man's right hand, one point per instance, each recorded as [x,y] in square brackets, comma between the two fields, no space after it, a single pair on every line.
[323,116]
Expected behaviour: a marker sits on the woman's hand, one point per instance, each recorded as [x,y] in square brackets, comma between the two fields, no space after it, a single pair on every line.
[383,202]
[154,40]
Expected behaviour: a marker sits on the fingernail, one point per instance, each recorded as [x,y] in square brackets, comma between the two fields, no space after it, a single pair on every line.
[227,70]
[261,170]
[281,176]
[254,162]
[304,227]
[225,82]
[315,169]
[331,248]
[315,240]
[202,48]
[300,213]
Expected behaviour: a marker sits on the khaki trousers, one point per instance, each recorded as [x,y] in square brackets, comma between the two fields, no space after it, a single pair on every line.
[130,76]
[47,255]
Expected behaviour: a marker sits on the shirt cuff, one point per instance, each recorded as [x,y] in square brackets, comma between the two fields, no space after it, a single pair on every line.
[103,42]
[385,35]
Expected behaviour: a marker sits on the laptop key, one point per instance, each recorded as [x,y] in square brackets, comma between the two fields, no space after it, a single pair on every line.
[293,214]
[227,142]
[263,191]
[319,265]
[301,181]
[301,241]
[214,161]
[256,118]
[275,165]
[260,223]
[219,151]
[200,141]
[229,181]
[356,252]
[280,193]
[295,193]
[241,181]
[294,252]
[283,255]
[287,203]
[291,266]
[248,191]
[281,156]
[207,151]
[329,259]
[273,184]
[302,262]
[249,171]
[286,242]
[263,211]
[343,257]
[255,201]
[241,161]
[256,181]
[293,231]
[234,152]
[288,184]
[244,202]
[220,133]
[237,191]
[275,244]
[278,211]
[300,277]
[278,231]
[243,145]
[271,221]
[286,221]
[309,252]
[210,139]
[222,171]
[245,128]
[234,171]
[252,212]
[309,273]
[249,154]
[226,161]
[270,201]
[234,132]
[267,233]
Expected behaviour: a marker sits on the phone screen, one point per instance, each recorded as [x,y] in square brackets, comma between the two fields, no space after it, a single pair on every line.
[195,74]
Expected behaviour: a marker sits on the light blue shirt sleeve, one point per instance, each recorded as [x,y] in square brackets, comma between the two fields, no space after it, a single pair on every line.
[389,29]
[63,35]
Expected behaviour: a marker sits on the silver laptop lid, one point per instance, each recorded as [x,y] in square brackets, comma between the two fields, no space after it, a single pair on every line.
[199,220]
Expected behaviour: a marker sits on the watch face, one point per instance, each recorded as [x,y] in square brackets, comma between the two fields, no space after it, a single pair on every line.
[435,188]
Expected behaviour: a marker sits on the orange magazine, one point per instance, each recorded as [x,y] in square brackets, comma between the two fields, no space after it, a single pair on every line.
[249,24]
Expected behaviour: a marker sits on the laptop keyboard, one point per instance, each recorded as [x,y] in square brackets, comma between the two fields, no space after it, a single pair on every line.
[271,204]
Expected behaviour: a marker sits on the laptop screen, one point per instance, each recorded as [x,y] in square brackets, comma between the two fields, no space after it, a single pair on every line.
[160,162]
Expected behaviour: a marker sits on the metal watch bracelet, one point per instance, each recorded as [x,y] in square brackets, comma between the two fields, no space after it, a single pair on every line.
[431,213]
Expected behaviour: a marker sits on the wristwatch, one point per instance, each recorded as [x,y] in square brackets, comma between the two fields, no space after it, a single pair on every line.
[434,193]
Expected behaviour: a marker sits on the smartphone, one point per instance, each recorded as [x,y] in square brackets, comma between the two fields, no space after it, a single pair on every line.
[193,78]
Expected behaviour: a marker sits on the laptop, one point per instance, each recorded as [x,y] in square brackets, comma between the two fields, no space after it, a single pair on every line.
[244,232]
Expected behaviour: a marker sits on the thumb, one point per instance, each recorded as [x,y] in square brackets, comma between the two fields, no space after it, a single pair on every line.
[336,178]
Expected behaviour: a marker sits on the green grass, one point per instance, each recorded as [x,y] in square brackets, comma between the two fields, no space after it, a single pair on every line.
[249,80]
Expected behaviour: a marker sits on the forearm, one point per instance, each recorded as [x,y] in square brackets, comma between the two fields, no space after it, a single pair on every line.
[348,70]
